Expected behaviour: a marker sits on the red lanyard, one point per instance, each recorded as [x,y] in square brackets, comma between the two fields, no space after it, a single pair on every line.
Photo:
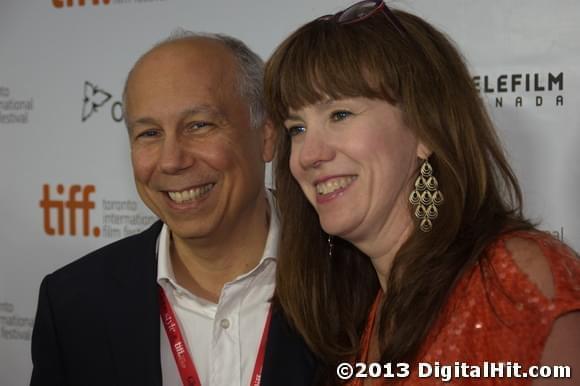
[182,357]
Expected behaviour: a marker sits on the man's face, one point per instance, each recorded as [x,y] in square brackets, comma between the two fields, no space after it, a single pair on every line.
[197,162]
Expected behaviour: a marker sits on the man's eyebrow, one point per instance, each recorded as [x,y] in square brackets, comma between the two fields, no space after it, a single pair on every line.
[203,109]
[200,109]
[145,121]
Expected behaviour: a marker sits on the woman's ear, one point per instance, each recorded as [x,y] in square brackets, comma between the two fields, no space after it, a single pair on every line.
[423,151]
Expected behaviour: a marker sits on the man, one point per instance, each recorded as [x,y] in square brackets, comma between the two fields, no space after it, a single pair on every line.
[199,142]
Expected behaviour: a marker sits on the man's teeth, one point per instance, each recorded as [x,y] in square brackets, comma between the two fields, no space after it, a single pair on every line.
[191,194]
[334,184]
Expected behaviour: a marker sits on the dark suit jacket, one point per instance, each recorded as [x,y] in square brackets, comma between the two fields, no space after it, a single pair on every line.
[98,323]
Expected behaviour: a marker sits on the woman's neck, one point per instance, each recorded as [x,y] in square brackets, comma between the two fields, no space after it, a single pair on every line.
[383,249]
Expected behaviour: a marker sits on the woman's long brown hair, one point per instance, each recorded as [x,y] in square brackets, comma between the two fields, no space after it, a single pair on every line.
[421,72]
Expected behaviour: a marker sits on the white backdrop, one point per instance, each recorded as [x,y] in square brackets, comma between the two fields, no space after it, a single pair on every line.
[64,155]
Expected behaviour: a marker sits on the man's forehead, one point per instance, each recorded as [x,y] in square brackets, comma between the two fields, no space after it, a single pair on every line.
[207,62]
[192,51]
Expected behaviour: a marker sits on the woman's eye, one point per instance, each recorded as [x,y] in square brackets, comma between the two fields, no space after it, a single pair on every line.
[340,115]
[295,130]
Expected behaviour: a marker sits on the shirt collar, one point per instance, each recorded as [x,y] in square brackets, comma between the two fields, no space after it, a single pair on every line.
[165,269]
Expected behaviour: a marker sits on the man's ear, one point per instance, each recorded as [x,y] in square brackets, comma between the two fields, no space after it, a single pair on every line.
[423,151]
[270,134]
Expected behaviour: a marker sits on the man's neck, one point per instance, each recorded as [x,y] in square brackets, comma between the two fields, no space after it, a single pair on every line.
[204,268]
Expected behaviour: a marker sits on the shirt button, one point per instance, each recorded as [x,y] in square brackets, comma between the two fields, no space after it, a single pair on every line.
[225,324]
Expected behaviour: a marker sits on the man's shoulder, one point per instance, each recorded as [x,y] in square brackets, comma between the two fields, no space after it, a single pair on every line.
[138,248]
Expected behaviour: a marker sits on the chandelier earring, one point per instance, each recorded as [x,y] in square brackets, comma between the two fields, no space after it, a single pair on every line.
[426,198]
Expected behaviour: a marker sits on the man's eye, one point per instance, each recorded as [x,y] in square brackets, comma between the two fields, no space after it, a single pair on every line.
[340,115]
[199,125]
[295,130]
[148,133]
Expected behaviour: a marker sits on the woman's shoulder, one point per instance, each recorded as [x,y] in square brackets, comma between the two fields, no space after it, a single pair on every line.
[536,261]
[505,307]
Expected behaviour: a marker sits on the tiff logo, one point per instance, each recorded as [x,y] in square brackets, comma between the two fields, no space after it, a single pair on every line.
[71,205]
[80,3]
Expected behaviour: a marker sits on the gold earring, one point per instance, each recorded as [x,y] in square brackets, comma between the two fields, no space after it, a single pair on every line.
[426,197]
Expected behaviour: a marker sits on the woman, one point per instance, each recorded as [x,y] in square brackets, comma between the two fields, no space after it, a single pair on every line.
[403,239]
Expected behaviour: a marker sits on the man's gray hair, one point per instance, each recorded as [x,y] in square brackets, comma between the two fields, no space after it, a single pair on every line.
[250,70]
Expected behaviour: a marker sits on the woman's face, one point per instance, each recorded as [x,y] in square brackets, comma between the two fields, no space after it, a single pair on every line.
[355,160]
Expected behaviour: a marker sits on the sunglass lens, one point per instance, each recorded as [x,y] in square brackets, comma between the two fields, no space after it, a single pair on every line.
[358,11]
[325,17]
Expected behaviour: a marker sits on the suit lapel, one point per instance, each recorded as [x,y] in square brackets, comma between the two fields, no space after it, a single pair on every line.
[132,312]
[132,318]
[288,362]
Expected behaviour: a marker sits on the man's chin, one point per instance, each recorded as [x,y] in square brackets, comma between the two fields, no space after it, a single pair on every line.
[189,231]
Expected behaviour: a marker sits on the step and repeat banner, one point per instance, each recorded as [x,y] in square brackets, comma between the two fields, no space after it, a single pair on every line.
[64,155]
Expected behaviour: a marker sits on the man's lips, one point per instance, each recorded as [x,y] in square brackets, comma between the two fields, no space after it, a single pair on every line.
[190,194]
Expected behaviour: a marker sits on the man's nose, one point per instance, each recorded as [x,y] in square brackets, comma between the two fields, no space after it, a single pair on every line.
[174,155]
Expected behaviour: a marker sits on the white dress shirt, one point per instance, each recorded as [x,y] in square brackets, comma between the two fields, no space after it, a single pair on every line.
[222,338]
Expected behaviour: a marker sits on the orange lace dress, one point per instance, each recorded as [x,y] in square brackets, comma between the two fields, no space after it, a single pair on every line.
[504,318]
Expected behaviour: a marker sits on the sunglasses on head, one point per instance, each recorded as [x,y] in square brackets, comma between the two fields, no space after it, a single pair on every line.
[363,10]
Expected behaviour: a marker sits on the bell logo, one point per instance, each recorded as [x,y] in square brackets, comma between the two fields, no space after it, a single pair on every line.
[72,205]
[80,3]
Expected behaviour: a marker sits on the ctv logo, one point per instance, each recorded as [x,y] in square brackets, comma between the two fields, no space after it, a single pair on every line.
[80,3]
[77,200]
